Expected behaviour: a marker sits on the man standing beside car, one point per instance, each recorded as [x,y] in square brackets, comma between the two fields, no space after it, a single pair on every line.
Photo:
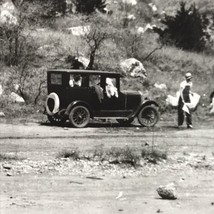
[185,92]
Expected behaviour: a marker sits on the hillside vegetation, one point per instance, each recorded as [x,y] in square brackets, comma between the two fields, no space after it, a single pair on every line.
[37,42]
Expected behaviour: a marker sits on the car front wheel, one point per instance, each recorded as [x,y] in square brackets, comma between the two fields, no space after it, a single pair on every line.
[79,116]
[148,116]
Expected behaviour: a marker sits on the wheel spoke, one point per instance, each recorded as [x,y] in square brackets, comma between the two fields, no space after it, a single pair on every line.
[80,116]
[148,116]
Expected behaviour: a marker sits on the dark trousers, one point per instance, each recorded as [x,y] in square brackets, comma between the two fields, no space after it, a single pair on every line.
[181,114]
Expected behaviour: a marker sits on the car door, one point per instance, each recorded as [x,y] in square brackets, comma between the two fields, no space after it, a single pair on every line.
[113,104]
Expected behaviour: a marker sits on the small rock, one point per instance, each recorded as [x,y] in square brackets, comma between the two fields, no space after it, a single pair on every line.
[167,192]
[178,204]
[7,166]
[159,211]
[119,195]
[146,144]
[212,203]
[2,114]
[13,204]
[9,174]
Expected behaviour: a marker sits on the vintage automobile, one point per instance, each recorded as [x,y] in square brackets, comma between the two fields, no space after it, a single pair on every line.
[81,95]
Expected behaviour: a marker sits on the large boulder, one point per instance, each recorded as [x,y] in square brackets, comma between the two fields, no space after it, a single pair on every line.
[133,67]
[85,61]
[2,114]
[16,98]
[167,192]
[131,2]
[79,30]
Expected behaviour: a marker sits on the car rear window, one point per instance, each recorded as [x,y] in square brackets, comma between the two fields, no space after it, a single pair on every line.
[56,79]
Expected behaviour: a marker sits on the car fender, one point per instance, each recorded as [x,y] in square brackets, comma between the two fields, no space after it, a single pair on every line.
[78,102]
[146,103]
[149,102]
[143,104]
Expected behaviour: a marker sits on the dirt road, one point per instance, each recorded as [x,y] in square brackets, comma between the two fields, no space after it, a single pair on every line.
[39,183]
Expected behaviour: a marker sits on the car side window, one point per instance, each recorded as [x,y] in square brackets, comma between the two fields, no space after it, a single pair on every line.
[95,84]
[56,79]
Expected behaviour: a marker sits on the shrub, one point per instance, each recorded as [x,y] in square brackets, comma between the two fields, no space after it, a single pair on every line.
[153,155]
[73,154]
[7,157]
[44,9]
[17,45]
[89,6]
[186,30]
[123,156]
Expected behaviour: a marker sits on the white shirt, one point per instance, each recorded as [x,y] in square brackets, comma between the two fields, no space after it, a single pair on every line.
[183,85]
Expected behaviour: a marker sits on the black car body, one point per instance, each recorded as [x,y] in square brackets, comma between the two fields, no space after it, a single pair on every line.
[79,95]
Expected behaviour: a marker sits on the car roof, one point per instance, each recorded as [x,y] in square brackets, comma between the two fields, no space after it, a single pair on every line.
[79,71]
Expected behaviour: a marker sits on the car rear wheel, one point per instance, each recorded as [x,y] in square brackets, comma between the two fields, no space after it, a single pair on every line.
[148,116]
[125,122]
[56,119]
[79,116]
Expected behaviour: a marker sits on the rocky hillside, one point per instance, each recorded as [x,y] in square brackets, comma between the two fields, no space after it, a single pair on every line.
[36,45]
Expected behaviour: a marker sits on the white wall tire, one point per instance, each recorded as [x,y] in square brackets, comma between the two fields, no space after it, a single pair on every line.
[52,104]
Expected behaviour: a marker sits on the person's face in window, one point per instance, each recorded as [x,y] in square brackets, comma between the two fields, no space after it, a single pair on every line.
[75,80]
[94,80]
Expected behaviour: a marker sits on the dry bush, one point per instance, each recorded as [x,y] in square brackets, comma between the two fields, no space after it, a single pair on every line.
[73,154]
[9,157]
[125,156]
[153,155]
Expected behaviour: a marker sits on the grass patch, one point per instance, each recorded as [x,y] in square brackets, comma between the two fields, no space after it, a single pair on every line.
[73,154]
[153,155]
[7,157]
[123,156]
[116,155]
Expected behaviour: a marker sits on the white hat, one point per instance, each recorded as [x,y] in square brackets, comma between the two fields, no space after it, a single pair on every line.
[188,76]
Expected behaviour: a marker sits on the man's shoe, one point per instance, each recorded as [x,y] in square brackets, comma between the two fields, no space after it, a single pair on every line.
[189,126]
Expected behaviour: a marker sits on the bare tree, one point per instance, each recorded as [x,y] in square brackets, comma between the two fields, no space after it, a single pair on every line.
[97,35]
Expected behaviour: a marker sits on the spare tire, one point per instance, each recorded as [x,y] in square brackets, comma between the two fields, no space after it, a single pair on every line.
[52,104]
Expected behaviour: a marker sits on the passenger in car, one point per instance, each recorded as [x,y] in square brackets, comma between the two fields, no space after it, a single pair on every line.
[95,83]
[111,90]
[75,81]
